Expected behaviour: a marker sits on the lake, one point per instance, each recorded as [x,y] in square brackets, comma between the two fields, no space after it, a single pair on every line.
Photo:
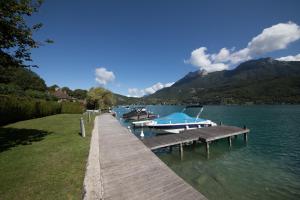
[268,167]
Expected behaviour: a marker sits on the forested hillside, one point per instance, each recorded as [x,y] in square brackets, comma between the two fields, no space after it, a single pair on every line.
[256,81]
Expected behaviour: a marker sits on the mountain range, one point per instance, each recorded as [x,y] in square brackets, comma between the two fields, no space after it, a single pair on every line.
[261,81]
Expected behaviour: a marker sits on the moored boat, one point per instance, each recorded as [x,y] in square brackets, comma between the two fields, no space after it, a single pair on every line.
[139,113]
[176,122]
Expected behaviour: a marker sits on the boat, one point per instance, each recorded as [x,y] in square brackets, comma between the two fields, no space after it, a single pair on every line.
[179,121]
[139,113]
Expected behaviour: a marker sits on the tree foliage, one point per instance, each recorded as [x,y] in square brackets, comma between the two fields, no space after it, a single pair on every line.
[67,90]
[52,88]
[22,78]
[16,38]
[100,98]
[79,94]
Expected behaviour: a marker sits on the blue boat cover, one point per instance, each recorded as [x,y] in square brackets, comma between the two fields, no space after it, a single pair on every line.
[177,118]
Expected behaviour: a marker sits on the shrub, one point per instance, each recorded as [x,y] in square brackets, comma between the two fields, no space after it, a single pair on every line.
[13,108]
[11,89]
[72,107]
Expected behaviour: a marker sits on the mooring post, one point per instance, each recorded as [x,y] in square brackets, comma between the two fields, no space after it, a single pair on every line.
[207,149]
[221,123]
[194,144]
[229,141]
[181,151]
[82,129]
[245,135]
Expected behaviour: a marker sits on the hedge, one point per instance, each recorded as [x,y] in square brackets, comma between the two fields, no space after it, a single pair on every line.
[13,108]
[71,107]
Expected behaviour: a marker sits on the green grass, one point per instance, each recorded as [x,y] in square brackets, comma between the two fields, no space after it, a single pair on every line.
[43,158]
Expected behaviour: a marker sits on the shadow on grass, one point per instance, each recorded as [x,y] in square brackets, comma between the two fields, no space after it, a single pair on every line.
[12,137]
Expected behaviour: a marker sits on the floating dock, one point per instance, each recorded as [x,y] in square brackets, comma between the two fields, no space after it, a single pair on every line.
[130,170]
[206,135]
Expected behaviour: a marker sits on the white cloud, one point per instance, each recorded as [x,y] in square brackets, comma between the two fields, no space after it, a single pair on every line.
[222,56]
[134,92]
[239,56]
[156,87]
[169,84]
[290,58]
[274,38]
[103,76]
[201,59]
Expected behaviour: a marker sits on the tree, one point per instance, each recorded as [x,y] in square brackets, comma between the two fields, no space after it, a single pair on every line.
[99,98]
[67,90]
[16,38]
[22,78]
[52,88]
[109,99]
[79,94]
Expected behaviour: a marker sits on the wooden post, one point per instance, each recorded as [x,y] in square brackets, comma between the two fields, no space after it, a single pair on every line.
[207,149]
[229,141]
[245,137]
[82,129]
[221,123]
[89,113]
[181,151]
[194,144]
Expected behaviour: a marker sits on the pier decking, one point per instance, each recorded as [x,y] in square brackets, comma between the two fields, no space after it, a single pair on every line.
[129,170]
[206,135]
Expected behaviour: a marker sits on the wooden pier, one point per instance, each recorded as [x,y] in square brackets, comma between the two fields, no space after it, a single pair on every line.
[130,170]
[205,135]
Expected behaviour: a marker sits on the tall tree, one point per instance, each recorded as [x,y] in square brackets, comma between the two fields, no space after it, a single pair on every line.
[100,98]
[16,38]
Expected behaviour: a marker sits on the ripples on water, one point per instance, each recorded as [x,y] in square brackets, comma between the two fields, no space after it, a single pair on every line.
[268,167]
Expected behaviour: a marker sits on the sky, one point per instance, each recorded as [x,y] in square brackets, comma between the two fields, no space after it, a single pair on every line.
[136,47]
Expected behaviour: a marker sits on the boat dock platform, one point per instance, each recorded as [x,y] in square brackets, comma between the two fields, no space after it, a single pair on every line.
[130,170]
[205,135]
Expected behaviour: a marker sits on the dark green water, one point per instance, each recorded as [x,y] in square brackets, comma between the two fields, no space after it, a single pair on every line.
[268,167]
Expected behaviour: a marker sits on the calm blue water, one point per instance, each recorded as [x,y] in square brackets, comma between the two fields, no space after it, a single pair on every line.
[268,167]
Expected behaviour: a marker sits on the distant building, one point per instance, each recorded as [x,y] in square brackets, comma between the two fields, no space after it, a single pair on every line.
[62,95]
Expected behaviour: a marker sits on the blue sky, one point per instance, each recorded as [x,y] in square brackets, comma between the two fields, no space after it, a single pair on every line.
[138,44]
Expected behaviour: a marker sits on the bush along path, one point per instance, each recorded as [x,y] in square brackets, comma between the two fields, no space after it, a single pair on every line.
[14,108]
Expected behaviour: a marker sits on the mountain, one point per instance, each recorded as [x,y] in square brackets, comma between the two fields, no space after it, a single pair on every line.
[124,100]
[256,81]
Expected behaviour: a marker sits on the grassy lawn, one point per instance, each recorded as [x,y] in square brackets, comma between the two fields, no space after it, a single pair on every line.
[43,158]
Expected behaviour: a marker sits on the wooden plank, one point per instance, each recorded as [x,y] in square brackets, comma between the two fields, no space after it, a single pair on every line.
[207,134]
[129,170]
